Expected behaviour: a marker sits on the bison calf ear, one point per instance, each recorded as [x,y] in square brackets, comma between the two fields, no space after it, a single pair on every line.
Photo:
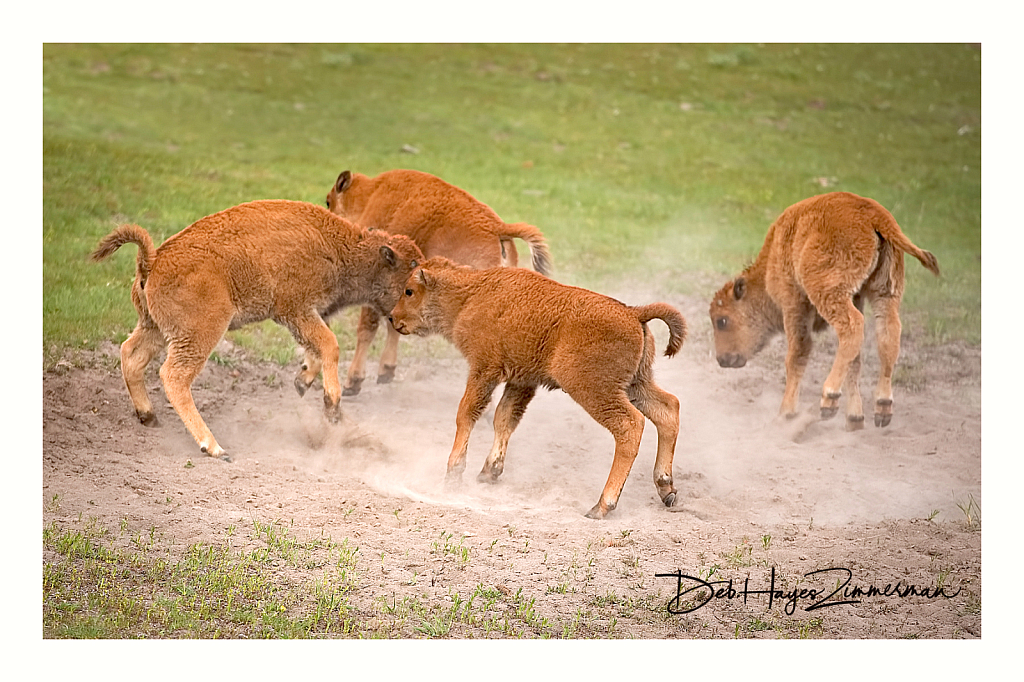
[424,278]
[389,256]
[344,181]
[739,287]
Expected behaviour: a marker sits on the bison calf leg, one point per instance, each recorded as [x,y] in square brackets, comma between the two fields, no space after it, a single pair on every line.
[888,329]
[626,423]
[136,353]
[474,400]
[854,404]
[798,349]
[185,359]
[849,325]
[369,319]
[507,416]
[313,334]
[389,358]
[662,408]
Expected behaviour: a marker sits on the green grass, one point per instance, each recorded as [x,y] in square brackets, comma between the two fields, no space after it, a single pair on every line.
[261,582]
[660,162]
[99,584]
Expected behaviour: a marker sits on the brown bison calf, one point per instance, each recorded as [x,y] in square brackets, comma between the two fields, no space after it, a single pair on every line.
[443,220]
[288,261]
[821,259]
[521,328]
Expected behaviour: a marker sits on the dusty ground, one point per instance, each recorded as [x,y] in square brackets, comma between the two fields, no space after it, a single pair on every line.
[755,495]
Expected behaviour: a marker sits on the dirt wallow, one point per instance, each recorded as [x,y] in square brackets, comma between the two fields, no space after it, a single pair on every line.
[895,506]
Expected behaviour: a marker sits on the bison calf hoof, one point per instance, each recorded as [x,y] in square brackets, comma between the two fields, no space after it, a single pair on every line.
[453,482]
[301,386]
[598,513]
[669,499]
[217,452]
[353,387]
[386,375]
[883,412]
[830,404]
[332,411]
[486,476]
[148,419]
[854,422]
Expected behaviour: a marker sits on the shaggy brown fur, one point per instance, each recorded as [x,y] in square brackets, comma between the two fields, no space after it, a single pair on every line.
[443,220]
[521,328]
[821,259]
[288,261]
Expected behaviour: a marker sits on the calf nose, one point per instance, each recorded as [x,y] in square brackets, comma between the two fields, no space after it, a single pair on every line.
[731,360]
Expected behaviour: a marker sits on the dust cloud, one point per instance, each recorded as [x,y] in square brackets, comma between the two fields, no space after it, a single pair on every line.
[734,456]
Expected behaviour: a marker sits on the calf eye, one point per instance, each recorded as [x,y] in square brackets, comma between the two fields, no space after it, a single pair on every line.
[408,292]
[721,323]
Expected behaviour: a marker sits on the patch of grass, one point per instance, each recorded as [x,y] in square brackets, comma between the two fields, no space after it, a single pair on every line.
[972,512]
[445,548]
[664,159]
[577,576]
[741,556]
[487,612]
[94,587]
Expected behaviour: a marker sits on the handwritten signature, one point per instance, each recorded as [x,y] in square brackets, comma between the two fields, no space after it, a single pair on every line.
[702,592]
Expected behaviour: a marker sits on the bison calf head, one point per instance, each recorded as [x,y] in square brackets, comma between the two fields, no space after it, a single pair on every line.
[420,308]
[336,198]
[740,331]
[399,257]
[407,316]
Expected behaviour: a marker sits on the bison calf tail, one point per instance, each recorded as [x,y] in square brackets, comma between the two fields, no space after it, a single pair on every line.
[538,246]
[891,231]
[670,316]
[928,260]
[123,235]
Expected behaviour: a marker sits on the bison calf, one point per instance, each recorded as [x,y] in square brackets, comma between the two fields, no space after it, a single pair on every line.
[288,261]
[443,220]
[821,259]
[521,328]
